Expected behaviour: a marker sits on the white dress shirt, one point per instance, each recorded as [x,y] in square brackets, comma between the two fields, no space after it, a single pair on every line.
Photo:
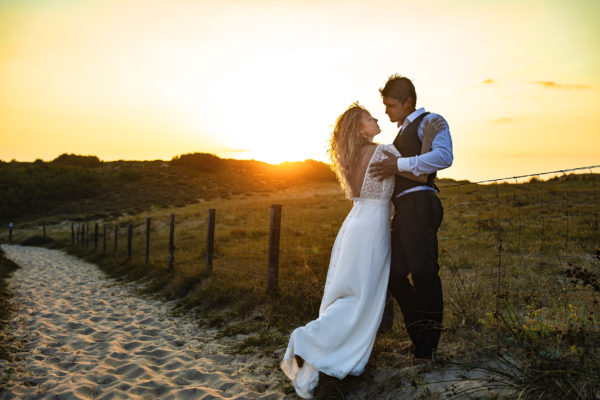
[438,158]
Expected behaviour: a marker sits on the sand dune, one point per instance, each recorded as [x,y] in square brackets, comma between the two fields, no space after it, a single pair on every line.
[87,337]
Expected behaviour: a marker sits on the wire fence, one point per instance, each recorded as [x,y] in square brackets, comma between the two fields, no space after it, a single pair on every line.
[513,238]
[521,240]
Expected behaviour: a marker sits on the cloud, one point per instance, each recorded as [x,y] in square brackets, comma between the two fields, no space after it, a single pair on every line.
[546,84]
[554,85]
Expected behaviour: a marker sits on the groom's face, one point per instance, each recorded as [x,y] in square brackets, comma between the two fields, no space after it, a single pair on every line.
[397,110]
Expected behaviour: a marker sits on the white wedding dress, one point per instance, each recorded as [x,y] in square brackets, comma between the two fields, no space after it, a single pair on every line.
[340,341]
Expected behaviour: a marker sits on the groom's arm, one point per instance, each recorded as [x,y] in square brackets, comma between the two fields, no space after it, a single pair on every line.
[436,153]
[388,166]
[440,156]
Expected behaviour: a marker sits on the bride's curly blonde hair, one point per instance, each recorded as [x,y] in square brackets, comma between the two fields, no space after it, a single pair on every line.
[346,143]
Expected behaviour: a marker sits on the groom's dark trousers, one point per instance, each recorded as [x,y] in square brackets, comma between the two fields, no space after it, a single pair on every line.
[418,216]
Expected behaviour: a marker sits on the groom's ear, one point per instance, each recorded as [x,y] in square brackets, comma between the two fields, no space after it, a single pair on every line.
[410,102]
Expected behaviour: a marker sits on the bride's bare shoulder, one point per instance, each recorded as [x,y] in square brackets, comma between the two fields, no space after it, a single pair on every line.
[367,152]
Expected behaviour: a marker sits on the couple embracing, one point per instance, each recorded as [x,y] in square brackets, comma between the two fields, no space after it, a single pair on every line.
[369,259]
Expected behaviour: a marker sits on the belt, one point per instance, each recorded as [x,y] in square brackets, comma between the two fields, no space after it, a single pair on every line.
[415,189]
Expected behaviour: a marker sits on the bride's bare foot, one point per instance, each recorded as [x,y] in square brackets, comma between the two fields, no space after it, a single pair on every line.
[299,361]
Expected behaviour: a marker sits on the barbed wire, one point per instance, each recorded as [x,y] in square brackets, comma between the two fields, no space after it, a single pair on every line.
[509,178]
[517,240]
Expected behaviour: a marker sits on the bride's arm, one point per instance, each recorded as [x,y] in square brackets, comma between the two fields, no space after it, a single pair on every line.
[431,127]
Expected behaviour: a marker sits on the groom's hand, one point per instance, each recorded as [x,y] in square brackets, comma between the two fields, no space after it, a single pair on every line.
[386,167]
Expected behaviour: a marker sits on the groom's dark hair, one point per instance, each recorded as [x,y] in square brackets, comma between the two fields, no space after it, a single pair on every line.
[400,88]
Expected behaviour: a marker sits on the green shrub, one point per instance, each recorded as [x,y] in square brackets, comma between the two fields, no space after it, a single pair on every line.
[78,161]
[200,161]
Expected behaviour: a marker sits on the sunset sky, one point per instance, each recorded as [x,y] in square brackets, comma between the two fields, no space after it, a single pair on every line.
[518,81]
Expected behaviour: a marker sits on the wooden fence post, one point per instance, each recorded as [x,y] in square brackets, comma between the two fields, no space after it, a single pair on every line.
[172,242]
[104,238]
[275,230]
[129,239]
[44,230]
[87,234]
[77,235]
[147,240]
[96,237]
[72,233]
[210,239]
[82,241]
[116,239]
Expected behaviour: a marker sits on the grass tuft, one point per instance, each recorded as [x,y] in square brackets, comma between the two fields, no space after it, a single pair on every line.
[8,345]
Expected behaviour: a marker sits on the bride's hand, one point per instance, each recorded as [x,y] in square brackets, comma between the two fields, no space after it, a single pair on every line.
[434,125]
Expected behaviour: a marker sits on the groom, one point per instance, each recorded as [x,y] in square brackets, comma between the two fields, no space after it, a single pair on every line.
[418,215]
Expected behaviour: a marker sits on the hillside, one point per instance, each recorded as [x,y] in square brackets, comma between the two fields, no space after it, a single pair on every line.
[74,186]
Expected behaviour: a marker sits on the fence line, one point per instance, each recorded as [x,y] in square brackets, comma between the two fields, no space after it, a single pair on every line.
[537,174]
[506,236]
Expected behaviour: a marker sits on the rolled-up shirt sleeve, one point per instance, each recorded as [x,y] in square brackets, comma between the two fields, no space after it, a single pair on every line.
[438,158]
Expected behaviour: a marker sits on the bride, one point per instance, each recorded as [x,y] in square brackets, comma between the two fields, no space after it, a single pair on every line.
[340,340]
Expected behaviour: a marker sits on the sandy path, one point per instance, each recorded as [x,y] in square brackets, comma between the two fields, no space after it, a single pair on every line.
[88,337]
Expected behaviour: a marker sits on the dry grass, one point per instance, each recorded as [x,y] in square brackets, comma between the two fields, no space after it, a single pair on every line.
[505,253]
[7,341]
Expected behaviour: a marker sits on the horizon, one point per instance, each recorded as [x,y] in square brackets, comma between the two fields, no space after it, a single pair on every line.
[547,175]
[146,80]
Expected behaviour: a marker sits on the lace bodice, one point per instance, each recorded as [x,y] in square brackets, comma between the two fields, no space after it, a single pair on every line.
[373,188]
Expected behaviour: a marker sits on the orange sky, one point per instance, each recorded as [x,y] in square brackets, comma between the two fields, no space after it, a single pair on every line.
[518,81]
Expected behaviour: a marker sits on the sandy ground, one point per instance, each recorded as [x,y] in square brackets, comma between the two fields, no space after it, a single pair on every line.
[88,337]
